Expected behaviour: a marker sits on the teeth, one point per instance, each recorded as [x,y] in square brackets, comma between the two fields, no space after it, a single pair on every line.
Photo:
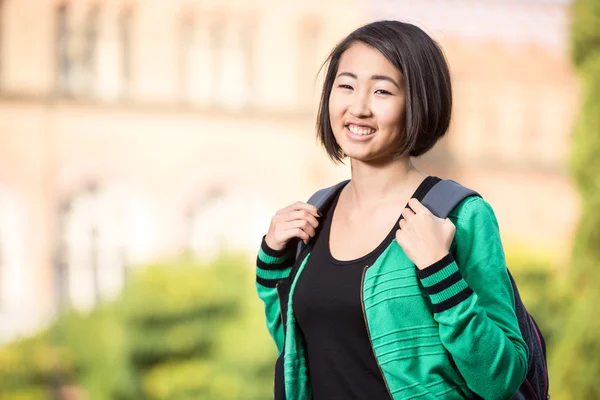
[360,131]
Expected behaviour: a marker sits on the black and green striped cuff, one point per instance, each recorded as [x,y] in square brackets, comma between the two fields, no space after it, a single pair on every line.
[268,283]
[272,265]
[269,259]
[444,284]
[269,251]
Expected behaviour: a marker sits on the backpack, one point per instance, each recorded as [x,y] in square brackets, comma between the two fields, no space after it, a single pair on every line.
[441,200]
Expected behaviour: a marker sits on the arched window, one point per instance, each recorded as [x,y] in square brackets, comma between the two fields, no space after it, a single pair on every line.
[103,231]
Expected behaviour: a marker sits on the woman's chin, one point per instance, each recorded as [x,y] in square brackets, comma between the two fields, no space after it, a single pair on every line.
[369,157]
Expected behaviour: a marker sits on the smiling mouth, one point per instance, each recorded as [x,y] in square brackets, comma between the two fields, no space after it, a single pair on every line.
[360,130]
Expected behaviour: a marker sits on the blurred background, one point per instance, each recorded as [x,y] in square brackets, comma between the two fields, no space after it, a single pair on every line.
[145,145]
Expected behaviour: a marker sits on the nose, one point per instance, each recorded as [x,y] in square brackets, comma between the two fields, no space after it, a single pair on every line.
[360,106]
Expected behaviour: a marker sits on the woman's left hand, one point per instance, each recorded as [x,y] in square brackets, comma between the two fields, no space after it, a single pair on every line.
[424,237]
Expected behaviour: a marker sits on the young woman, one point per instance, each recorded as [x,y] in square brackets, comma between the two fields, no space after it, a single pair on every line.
[387,300]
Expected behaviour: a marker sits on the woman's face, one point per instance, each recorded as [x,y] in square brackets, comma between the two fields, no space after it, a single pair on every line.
[366,106]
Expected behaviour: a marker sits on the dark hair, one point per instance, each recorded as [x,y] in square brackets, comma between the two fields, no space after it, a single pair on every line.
[427,81]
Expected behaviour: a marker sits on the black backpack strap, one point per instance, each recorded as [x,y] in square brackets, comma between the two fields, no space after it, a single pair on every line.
[319,199]
[444,196]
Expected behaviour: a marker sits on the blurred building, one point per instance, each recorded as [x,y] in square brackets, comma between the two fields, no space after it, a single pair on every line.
[131,130]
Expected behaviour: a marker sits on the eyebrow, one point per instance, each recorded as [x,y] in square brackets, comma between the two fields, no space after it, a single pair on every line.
[374,78]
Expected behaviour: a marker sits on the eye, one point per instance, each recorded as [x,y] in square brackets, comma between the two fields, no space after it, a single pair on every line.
[345,87]
[382,91]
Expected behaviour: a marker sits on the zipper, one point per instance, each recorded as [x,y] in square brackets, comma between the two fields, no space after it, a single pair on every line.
[283,349]
[362,304]
[279,304]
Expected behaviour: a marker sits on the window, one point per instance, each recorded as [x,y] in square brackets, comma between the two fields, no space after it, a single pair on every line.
[76,51]
[13,268]
[61,257]
[216,58]
[89,52]
[101,231]
[308,60]
[78,250]
[249,51]
[62,48]
[216,38]
[125,36]
[199,41]
[1,37]
[187,44]
[234,42]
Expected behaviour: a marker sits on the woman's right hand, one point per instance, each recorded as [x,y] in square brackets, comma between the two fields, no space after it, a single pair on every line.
[298,220]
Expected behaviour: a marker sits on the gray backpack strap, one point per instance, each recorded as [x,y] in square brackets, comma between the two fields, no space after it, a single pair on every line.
[318,200]
[444,196]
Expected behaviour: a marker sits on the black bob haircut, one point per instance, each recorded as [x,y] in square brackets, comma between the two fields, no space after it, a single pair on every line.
[428,88]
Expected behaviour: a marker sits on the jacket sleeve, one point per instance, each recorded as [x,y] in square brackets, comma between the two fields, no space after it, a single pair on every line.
[473,303]
[272,266]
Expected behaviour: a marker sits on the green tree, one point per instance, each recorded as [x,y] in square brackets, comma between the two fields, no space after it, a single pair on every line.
[576,360]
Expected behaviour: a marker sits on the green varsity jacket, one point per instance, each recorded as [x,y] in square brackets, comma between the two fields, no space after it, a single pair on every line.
[448,331]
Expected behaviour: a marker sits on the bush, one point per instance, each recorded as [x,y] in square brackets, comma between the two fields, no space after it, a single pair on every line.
[538,279]
[180,330]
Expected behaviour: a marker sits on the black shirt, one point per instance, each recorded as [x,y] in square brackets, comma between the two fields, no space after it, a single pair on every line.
[328,308]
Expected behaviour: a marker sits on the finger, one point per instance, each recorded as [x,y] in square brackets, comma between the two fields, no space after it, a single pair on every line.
[302,215]
[299,205]
[400,237]
[449,224]
[287,234]
[402,223]
[298,233]
[416,206]
[301,224]
[407,213]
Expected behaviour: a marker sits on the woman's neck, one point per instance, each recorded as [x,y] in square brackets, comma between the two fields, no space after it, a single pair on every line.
[374,184]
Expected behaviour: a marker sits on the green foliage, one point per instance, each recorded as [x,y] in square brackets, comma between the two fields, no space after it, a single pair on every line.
[32,362]
[180,330]
[585,34]
[183,331]
[26,393]
[585,165]
[576,360]
[192,329]
[536,275]
[97,343]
